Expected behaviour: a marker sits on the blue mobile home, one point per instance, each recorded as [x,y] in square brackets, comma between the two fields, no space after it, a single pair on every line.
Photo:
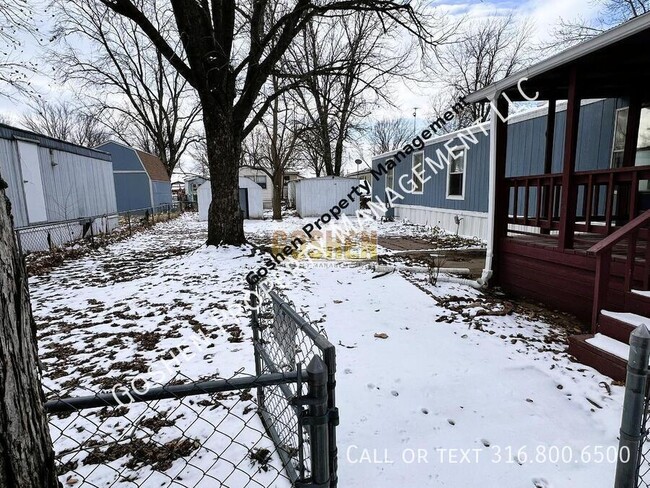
[456,198]
[141,180]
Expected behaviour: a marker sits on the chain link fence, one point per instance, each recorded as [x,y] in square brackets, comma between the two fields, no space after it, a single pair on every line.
[282,339]
[633,463]
[271,429]
[98,229]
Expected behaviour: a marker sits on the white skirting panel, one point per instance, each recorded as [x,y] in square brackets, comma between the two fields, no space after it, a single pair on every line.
[473,224]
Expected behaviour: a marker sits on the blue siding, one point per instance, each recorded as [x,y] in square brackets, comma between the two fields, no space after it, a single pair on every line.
[162,192]
[124,158]
[132,191]
[525,156]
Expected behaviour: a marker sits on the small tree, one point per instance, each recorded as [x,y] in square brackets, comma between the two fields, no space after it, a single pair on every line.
[65,121]
[346,64]
[389,134]
[273,147]
[482,53]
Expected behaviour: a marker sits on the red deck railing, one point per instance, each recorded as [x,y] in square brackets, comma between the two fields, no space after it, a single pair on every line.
[603,252]
[607,199]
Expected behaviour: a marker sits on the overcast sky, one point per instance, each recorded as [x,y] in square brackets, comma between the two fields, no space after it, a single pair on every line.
[543,14]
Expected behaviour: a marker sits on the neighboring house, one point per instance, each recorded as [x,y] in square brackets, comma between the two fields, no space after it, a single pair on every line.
[191,187]
[456,199]
[265,182]
[567,194]
[362,175]
[178,191]
[141,180]
[58,191]
[250,199]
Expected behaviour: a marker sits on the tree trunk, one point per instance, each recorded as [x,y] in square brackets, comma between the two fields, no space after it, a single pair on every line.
[225,222]
[26,455]
[278,178]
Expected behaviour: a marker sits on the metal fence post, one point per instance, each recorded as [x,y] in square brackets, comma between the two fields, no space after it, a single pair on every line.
[254,304]
[318,421]
[633,409]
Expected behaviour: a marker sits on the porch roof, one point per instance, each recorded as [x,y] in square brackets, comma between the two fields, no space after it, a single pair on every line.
[615,63]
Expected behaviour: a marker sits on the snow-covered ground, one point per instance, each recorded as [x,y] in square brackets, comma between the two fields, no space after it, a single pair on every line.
[457,393]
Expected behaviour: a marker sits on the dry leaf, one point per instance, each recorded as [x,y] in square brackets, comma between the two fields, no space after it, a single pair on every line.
[381,335]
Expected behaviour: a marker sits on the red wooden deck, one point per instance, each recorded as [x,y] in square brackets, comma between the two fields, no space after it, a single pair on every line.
[532,265]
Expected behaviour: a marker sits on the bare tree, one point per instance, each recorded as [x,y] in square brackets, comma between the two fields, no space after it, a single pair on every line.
[26,455]
[273,147]
[389,134]
[229,50]
[65,121]
[16,19]
[483,52]
[611,13]
[145,102]
[348,63]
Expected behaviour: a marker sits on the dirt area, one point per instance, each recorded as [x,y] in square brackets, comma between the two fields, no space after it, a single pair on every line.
[415,251]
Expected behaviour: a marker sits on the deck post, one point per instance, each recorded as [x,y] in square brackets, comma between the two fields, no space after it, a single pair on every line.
[569,189]
[498,206]
[548,160]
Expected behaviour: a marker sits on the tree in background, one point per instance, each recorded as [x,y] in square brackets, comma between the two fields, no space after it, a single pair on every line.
[273,146]
[389,134]
[346,64]
[16,19]
[227,51]
[484,52]
[144,101]
[611,13]
[65,121]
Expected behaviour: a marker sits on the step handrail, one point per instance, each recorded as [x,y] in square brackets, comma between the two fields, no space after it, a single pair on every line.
[603,252]
[611,240]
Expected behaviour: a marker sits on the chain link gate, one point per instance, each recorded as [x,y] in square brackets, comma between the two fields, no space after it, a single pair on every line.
[135,438]
[283,340]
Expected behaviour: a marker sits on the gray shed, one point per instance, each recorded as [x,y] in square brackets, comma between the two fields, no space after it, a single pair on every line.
[57,189]
[316,196]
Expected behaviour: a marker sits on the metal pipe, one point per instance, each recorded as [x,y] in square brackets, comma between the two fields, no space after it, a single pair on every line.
[168,392]
[477,284]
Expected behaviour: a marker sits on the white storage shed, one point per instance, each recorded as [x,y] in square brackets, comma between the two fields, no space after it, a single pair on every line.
[316,196]
[250,199]
[59,192]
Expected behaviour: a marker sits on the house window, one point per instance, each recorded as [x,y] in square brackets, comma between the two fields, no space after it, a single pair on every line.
[643,141]
[417,168]
[456,173]
[390,178]
[260,180]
